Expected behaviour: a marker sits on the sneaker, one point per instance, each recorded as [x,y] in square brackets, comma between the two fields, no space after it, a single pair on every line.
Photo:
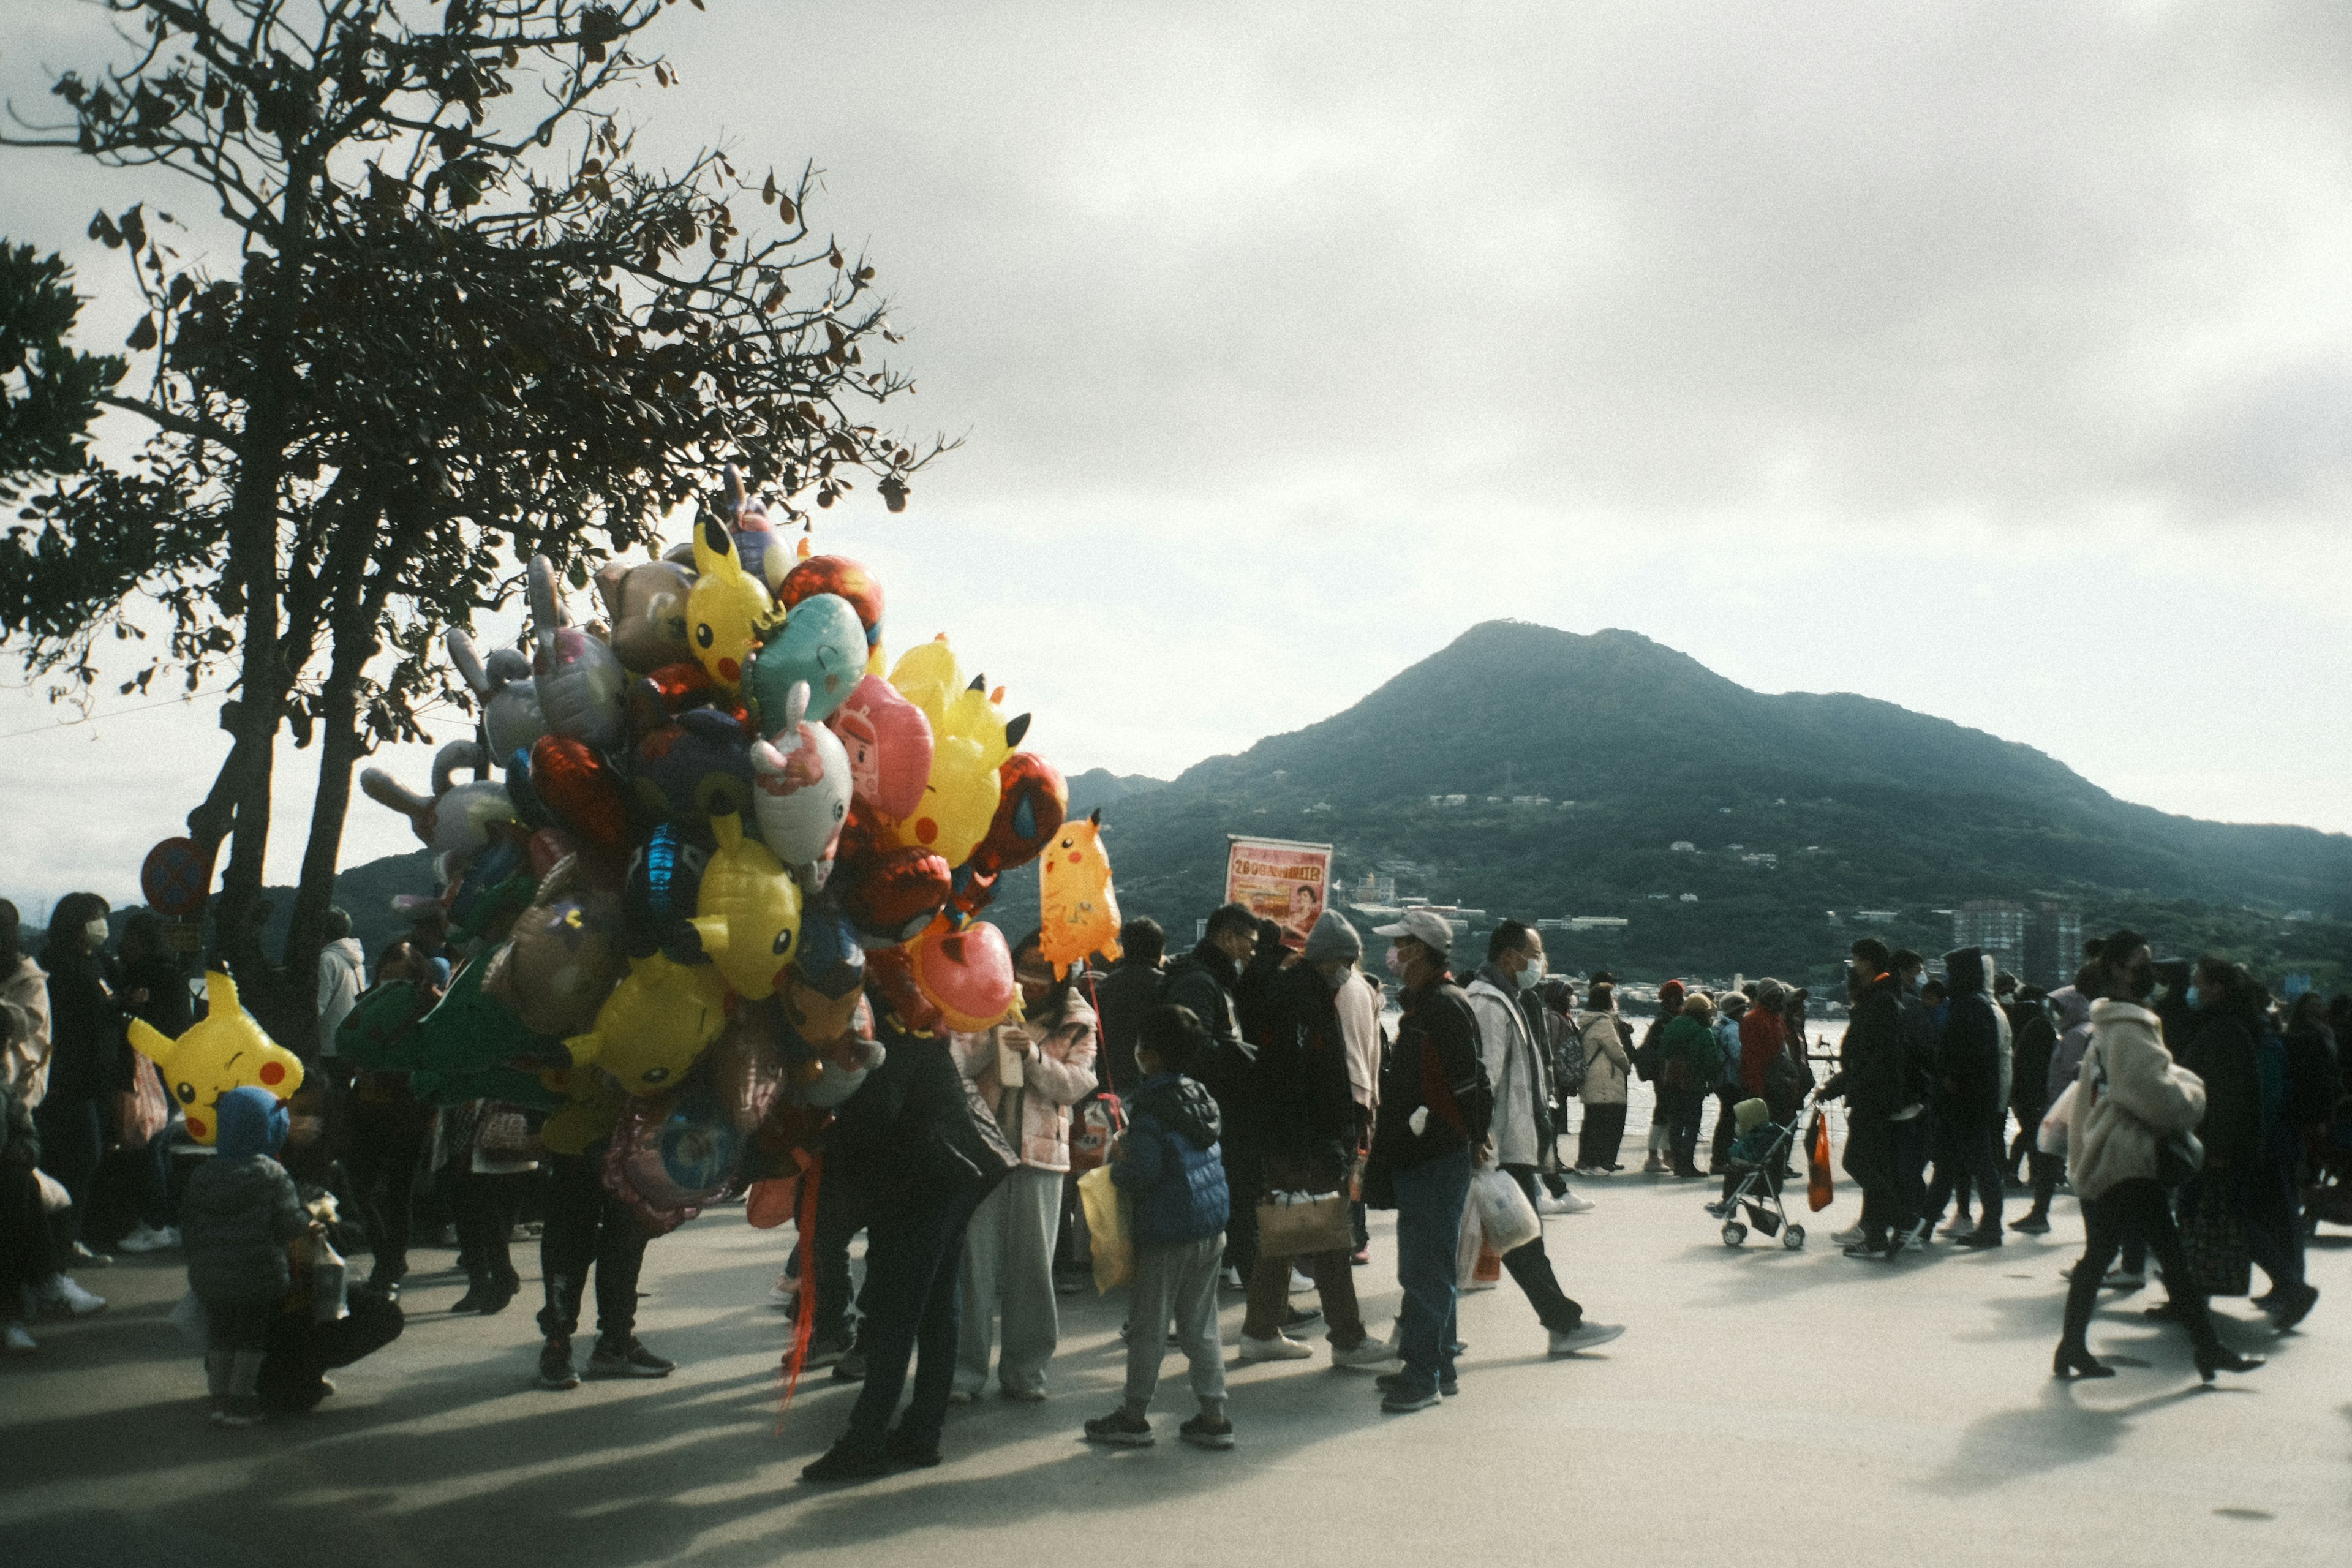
[1299,1317]
[1567,1202]
[825,1350]
[1022,1396]
[1300,1279]
[2033,1225]
[555,1368]
[1449,1382]
[785,1293]
[1203,1433]
[851,1367]
[63,1295]
[629,1359]
[1404,1398]
[1961,1226]
[1372,1352]
[148,1238]
[1231,1279]
[1123,1428]
[2124,1279]
[239,1410]
[20,1341]
[1978,1239]
[1279,1346]
[1863,1248]
[1582,1338]
[1921,1234]
[1654,1167]
[1361,1257]
[84,1258]
[1723,1208]
[1068,1284]
[1847,1236]
[955,1396]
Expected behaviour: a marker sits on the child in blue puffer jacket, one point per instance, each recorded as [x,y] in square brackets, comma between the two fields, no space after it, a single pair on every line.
[1168,1169]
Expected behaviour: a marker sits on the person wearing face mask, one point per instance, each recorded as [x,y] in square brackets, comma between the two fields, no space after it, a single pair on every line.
[1873,1076]
[1307,1131]
[1333,951]
[1204,980]
[91,1060]
[1436,1108]
[2130,1099]
[1029,1073]
[1520,1135]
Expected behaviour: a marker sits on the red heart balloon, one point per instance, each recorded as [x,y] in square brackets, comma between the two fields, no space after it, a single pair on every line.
[576,784]
[966,973]
[836,574]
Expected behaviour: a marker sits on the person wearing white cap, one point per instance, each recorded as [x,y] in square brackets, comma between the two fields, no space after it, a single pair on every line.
[1435,1105]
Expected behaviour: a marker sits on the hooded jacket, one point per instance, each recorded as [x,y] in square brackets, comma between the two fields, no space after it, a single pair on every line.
[342,975]
[2035,1043]
[1130,990]
[1306,1109]
[2130,1095]
[1607,1063]
[1203,980]
[1872,1068]
[2074,1010]
[1971,1059]
[1691,1041]
[2222,1052]
[1170,1165]
[90,1055]
[240,1208]
[1035,1114]
[1763,1039]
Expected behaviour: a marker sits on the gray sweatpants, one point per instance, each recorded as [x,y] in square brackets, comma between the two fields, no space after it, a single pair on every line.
[1178,1281]
[1008,1268]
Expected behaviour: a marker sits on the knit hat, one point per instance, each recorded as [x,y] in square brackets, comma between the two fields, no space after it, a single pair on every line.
[1333,936]
[1750,1114]
[252,1121]
[1669,997]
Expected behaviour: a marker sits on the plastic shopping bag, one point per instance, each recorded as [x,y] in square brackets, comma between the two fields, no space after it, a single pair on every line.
[1106,1212]
[1509,1220]
[2051,1137]
[1819,1188]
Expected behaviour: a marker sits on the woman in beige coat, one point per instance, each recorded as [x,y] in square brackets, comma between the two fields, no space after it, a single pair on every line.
[1030,1073]
[1608,1064]
[2130,1100]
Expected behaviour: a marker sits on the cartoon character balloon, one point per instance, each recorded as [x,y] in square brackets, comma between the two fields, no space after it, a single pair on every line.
[821,646]
[227,1050]
[564,955]
[455,821]
[802,785]
[645,604]
[966,973]
[748,911]
[654,1023]
[1031,802]
[512,719]
[727,611]
[578,680]
[970,737]
[1080,908]
[888,741]
[694,769]
[839,575]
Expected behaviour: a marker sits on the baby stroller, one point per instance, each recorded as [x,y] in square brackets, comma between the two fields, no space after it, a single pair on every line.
[1759,1163]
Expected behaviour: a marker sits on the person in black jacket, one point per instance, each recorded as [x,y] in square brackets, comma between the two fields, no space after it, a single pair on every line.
[1203,980]
[2243,1149]
[1130,989]
[89,1062]
[1873,1076]
[1915,1120]
[2036,1040]
[155,986]
[1968,1107]
[1436,1104]
[916,1208]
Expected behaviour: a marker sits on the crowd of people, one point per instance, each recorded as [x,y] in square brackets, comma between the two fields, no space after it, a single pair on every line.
[1256,1079]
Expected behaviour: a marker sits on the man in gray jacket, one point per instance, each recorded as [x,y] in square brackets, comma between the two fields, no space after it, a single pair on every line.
[1520,1132]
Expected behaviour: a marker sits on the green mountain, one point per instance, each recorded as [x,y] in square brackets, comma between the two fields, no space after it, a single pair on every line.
[1631,747]
[1581,760]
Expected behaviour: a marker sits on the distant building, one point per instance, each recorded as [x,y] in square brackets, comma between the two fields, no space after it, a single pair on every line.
[1876,916]
[1530,800]
[1457,800]
[1683,846]
[1690,898]
[1760,858]
[2053,946]
[1597,922]
[1996,925]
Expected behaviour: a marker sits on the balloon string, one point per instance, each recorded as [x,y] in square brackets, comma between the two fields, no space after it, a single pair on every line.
[804,1317]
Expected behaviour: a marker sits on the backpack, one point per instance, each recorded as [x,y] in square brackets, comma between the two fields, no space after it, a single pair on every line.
[1569,1064]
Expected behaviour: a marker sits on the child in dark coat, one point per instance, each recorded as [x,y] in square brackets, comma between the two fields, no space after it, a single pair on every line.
[238,1213]
[1169,1169]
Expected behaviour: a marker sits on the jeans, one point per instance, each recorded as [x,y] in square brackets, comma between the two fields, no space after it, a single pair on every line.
[1602,1134]
[1430,1198]
[1176,1279]
[1530,1268]
[73,1139]
[2140,1209]
[909,1313]
[1969,1156]
[586,1227]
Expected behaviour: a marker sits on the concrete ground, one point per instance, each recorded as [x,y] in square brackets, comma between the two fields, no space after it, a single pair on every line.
[1764,1408]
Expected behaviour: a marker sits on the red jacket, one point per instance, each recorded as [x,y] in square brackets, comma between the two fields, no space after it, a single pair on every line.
[1761,1038]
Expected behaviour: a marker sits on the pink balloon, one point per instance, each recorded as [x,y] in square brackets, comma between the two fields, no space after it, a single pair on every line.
[889,744]
[967,975]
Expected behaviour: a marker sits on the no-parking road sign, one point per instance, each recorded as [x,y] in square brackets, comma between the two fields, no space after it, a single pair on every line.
[176,877]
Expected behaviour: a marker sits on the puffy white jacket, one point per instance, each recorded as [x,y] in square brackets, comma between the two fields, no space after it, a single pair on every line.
[1607,1063]
[2130,1095]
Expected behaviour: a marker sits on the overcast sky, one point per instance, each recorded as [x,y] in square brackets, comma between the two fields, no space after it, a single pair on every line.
[1987,359]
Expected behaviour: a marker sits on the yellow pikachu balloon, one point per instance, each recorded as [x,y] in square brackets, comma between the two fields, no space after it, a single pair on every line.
[654,1023]
[728,610]
[227,1050]
[1081,909]
[971,739]
[748,912]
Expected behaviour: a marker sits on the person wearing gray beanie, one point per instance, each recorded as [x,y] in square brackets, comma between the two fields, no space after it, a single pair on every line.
[1333,937]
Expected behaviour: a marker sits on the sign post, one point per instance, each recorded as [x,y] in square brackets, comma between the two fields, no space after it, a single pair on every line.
[176,877]
[1280,880]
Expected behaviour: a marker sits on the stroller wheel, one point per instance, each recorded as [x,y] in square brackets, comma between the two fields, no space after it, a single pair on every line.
[1734,1233]
[1793,1238]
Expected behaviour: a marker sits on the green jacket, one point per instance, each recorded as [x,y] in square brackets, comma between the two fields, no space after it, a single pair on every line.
[1692,1043]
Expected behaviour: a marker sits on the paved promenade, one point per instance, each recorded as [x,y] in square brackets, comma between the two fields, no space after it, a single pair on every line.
[1766,1407]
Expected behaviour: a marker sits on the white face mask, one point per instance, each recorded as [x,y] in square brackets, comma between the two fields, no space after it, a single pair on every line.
[1396,963]
[94,932]
[1531,974]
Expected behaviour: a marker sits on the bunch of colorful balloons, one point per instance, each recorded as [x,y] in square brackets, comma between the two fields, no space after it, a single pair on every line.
[723,838]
